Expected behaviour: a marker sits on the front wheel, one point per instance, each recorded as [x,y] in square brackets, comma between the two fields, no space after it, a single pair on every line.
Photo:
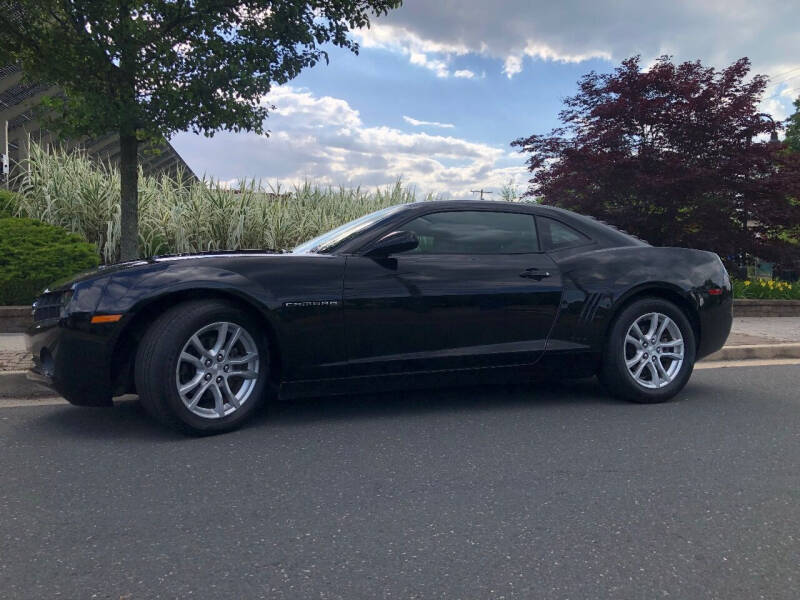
[202,367]
[650,352]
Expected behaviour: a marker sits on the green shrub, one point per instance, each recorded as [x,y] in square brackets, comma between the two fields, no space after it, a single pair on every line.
[766,290]
[9,203]
[34,254]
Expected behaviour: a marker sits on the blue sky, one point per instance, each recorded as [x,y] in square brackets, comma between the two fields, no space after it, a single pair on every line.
[440,88]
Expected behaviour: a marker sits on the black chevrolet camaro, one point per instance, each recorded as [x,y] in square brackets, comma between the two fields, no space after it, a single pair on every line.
[415,295]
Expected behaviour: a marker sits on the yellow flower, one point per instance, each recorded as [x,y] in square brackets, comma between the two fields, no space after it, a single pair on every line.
[746,283]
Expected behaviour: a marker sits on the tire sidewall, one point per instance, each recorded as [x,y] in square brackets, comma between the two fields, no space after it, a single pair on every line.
[630,388]
[168,354]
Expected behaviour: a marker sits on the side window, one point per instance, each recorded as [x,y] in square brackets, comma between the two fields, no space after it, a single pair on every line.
[556,236]
[474,232]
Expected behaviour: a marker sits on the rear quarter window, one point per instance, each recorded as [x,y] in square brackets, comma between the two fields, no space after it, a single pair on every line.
[555,235]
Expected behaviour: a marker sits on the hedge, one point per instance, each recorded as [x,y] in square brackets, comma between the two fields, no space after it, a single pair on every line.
[34,254]
[9,204]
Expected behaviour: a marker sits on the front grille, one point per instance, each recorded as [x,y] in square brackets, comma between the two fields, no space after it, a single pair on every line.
[48,306]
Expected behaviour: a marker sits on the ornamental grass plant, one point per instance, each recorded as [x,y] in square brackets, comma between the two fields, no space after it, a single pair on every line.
[180,214]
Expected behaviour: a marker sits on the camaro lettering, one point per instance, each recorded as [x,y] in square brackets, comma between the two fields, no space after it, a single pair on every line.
[303,303]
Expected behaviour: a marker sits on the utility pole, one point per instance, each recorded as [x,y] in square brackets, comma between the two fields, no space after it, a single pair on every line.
[5,167]
[481,192]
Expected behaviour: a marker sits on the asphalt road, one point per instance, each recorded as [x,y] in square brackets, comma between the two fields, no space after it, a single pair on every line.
[537,492]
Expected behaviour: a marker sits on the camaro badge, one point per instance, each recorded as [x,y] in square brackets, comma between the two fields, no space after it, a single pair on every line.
[303,303]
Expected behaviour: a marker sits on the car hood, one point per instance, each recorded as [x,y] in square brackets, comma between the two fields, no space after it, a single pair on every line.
[108,270]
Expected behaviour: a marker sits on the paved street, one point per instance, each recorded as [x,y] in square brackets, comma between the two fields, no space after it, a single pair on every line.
[538,492]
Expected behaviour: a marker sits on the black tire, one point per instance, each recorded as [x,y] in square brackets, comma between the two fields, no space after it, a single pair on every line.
[614,373]
[157,360]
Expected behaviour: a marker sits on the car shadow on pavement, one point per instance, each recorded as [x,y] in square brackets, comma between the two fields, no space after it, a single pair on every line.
[127,419]
[533,397]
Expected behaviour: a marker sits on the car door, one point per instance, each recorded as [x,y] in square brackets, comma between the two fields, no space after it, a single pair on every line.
[476,292]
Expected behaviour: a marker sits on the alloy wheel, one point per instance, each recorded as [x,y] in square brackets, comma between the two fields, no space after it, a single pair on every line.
[217,370]
[654,350]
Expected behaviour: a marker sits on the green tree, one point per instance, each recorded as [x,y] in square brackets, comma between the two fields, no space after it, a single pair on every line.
[150,68]
[793,128]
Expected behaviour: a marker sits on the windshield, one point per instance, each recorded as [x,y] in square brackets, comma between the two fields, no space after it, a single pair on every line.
[328,240]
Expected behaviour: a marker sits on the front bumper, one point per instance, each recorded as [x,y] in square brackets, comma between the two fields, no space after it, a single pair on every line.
[73,359]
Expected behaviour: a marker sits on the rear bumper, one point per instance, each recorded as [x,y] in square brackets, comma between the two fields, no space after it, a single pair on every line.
[71,360]
[716,319]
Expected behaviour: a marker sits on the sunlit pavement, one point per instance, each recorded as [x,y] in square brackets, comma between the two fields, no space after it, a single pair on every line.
[546,491]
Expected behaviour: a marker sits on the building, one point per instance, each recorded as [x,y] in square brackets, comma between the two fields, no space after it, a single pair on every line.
[19,126]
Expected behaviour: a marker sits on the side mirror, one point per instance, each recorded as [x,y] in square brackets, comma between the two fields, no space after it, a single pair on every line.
[391,243]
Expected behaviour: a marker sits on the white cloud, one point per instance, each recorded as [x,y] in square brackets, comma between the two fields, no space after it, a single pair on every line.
[464,74]
[417,49]
[324,139]
[715,31]
[437,66]
[512,66]
[418,123]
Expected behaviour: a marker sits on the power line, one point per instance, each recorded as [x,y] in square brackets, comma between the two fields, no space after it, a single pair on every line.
[779,83]
[779,75]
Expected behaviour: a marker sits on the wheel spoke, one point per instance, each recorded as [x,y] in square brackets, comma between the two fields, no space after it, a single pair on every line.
[198,345]
[632,340]
[662,373]
[222,334]
[243,374]
[634,360]
[242,360]
[640,368]
[637,330]
[198,395]
[232,399]
[671,355]
[192,360]
[653,325]
[232,342]
[663,328]
[655,377]
[219,402]
[190,385]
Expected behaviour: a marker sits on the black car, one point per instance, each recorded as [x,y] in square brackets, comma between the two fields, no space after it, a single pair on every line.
[414,295]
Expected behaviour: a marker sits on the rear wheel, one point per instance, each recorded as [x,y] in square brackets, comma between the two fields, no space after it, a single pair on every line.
[650,352]
[202,367]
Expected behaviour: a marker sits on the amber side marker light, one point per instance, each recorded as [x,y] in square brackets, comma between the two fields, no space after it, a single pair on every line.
[106,318]
[715,292]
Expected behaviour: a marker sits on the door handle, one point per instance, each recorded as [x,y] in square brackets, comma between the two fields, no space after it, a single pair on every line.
[535,273]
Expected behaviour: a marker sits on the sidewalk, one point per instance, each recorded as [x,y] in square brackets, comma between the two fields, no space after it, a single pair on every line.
[747,332]
[12,352]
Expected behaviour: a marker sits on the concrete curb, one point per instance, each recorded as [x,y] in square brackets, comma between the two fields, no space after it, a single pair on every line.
[766,308]
[760,351]
[14,384]
[15,319]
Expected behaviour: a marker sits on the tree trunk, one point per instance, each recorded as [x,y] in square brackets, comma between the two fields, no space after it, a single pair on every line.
[129,174]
